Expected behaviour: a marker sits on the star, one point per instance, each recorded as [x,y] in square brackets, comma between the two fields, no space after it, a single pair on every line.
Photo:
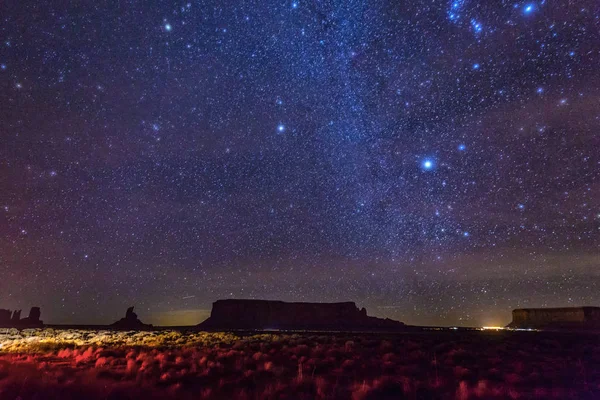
[254,145]
[453,12]
[427,164]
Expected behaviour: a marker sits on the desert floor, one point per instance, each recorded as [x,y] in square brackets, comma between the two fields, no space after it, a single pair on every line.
[97,364]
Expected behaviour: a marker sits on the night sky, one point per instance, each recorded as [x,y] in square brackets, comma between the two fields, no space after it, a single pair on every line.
[437,162]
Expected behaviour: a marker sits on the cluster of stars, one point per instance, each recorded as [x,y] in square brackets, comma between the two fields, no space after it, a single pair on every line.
[388,154]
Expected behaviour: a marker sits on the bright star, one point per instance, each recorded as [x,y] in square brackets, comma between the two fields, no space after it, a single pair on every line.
[462,147]
[454,11]
[540,90]
[466,234]
[295,4]
[528,9]
[168,27]
[427,164]
[2,66]
[280,128]
[476,66]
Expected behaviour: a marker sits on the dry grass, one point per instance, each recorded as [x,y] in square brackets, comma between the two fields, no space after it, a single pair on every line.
[71,364]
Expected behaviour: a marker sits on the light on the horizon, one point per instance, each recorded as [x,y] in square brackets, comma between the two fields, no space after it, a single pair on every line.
[493,328]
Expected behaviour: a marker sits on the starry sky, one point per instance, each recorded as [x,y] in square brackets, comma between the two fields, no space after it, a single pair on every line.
[438,162]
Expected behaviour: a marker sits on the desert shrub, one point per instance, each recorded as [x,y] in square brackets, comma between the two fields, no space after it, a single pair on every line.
[192,365]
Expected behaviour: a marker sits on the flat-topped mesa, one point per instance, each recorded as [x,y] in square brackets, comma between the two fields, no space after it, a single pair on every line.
[268,314]
[557,318]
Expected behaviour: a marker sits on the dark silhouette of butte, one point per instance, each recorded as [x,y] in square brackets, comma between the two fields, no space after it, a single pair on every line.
[130,322]
[556,318]
[268,314]
[12,319]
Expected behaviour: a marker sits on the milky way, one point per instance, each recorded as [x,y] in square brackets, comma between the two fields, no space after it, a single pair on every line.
[436,162]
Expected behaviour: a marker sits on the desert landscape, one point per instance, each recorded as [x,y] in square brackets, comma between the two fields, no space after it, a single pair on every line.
[299,200]
[438,364]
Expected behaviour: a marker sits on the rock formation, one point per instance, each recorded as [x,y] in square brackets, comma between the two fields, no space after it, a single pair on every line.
[13,319]
[266,314]
[556,318]
[16,316]
[5,316]
[131,322]
[33,319]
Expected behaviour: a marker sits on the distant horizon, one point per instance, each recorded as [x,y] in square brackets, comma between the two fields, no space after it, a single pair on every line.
[193,317]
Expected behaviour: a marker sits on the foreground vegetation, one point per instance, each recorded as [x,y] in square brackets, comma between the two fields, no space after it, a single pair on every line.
[70,364]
